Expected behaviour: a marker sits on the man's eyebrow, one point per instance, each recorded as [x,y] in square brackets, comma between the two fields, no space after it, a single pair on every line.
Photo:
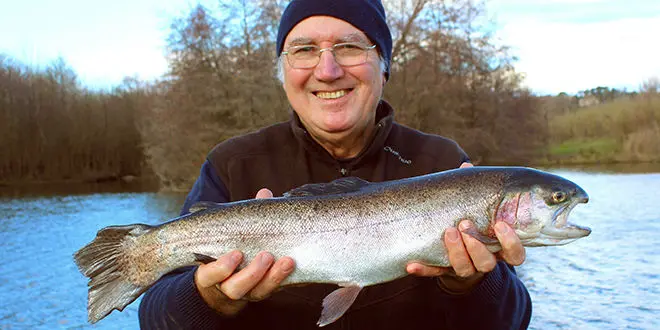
[301,41]
[353,37]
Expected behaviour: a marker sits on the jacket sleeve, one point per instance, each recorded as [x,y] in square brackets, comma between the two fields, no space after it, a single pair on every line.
[174,302]
[207,188]
[500,301]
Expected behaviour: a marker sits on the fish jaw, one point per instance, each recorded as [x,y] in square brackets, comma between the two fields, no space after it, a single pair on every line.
[558,231]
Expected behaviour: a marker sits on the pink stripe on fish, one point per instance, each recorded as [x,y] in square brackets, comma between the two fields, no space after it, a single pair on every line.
[507,210]
[524,212]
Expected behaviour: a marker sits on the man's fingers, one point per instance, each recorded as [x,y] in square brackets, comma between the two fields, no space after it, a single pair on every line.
[264,193]
[482,259]
[458,255]
[217,271]
[513,251]
[271,281]
[236,286]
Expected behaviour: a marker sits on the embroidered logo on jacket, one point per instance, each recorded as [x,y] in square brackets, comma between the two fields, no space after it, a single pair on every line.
[396,153]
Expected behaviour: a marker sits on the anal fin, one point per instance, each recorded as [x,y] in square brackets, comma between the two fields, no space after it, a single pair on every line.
[337,303]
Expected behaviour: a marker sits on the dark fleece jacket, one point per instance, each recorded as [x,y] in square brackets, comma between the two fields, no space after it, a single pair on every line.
[284,156]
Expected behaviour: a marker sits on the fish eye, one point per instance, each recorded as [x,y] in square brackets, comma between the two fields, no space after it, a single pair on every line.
[558,196]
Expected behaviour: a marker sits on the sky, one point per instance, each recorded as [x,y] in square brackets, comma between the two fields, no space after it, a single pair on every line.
[561,45]
[573,45]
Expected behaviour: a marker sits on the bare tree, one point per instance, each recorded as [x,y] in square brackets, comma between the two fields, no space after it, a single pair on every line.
[53,129]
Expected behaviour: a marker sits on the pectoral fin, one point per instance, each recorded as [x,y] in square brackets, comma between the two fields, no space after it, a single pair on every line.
[337,303]
[202,258]
[481,237]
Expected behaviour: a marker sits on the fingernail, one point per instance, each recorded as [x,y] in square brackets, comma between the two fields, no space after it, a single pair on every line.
[266,259]
[236,257]
[452,235]
[464,225]
[287,266]
[502,228]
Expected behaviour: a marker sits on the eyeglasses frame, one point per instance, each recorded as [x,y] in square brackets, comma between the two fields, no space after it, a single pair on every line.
[332,50]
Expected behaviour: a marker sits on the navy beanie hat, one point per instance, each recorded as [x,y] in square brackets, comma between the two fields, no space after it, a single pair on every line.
[366,15]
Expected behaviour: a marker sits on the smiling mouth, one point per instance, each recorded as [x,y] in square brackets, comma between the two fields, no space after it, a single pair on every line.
[332,95]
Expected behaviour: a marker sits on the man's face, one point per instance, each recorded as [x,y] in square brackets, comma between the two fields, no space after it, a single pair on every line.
[332,100]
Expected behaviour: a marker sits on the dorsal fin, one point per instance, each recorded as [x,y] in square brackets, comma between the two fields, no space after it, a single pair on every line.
[203,205]
[343,185]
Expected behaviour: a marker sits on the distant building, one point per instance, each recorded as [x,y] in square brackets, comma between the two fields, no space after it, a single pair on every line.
[588,100]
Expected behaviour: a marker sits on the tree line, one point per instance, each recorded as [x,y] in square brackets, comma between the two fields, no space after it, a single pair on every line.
[51,128]
[449,77]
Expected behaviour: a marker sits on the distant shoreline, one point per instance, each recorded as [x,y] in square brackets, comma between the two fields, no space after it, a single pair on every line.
[127,179]
[65,187]
[152,181]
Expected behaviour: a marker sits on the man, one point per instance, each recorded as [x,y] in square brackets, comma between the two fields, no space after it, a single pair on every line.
[334,63]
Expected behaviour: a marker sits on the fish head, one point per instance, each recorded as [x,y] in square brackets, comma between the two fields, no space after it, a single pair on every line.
[537,205]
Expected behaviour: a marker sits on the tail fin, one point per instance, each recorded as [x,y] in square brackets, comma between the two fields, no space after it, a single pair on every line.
[101,262]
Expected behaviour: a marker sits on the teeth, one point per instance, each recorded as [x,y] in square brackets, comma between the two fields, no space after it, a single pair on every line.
[331,95]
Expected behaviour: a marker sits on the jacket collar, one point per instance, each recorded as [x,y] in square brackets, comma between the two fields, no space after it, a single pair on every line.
[384,120]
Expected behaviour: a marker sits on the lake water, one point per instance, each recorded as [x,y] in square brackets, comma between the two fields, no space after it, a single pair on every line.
[609,280]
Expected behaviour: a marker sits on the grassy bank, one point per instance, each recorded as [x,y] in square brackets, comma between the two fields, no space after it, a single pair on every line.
[626,130]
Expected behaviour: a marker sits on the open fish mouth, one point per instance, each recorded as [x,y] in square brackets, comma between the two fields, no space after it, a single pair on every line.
[560,231]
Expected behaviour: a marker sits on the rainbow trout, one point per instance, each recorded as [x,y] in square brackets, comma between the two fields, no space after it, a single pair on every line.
[348,232]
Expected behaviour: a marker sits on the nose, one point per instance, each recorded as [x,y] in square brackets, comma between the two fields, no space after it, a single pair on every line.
[328,69]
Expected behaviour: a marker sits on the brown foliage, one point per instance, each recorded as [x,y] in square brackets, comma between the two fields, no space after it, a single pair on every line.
[448,77]
[643,144]
[221,84]
[623,130]
[52,129]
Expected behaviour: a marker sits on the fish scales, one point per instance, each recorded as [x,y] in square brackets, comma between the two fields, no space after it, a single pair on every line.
[338,231]
[348,232]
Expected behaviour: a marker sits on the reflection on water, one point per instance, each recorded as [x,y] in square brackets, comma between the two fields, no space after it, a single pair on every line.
[605,281]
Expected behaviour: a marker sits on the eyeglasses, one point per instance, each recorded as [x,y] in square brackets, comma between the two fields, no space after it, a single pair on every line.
[346,54]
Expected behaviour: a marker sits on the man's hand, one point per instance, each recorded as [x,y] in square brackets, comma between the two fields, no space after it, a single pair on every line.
[469,258]
[228,292]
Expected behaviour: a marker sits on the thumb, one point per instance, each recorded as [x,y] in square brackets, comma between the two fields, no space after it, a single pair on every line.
[264,193]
